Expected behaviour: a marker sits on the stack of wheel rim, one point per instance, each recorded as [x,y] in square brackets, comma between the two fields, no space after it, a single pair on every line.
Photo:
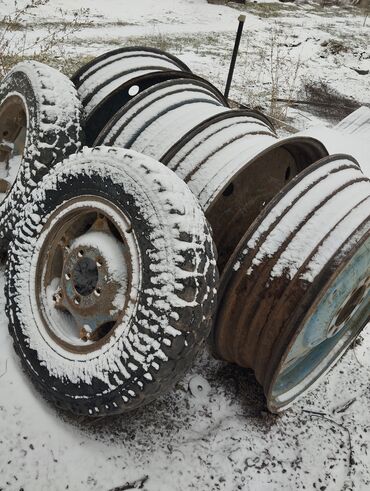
[113,252]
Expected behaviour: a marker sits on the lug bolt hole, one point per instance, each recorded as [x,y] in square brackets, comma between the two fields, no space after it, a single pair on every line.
[68,276]
[80,253]
[57,297]
[99,262]
[77,300]
[97,292]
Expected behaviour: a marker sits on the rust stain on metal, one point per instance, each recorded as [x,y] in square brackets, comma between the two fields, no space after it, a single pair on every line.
[242,147]
[264,319]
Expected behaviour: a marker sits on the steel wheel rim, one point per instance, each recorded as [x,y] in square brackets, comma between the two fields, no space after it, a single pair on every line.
[85,277]
[131,49]
[13,136]
[260,333]
[121,96]
[283,165]
[254,169]
[349,291]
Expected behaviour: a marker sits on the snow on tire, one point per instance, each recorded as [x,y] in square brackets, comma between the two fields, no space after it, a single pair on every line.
[39,126]
[111,282]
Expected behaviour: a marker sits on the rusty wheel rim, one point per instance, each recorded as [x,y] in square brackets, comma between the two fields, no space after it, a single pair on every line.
[258,180]
[13,135]
[235,165]
[85,273]
[322,338]
[276,285]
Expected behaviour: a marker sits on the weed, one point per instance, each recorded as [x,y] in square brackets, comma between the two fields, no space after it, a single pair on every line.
[334,47]
[270,77]
[15,44]
[326,102]
[267,10]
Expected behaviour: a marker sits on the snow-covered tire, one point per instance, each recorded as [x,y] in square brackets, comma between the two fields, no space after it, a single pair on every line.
[49,105]
[170,300]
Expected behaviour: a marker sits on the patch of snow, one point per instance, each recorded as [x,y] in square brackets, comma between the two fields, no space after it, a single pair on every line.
[337,141]
[228,441]
[224,439]
[357,123]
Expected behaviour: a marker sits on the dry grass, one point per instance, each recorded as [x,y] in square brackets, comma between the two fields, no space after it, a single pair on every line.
[325,102]
[271,73]
[48,47]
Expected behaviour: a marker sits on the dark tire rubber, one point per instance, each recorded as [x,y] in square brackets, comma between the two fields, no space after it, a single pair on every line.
[176,301]
[53,132]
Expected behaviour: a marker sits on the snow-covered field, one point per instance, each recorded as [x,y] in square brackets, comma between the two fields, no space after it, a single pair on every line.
[286,48]
[220,437]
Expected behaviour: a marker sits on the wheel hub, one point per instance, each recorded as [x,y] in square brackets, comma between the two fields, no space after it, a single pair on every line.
[85,273]
[85,276]
[91,288]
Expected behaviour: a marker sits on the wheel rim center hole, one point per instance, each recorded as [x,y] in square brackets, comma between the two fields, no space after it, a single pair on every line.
[85,276]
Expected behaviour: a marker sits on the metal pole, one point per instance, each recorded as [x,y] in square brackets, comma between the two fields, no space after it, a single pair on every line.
[235,54]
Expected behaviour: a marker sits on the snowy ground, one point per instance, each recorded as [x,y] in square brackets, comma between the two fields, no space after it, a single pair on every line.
[286,48]
[218,438]
[221,437]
